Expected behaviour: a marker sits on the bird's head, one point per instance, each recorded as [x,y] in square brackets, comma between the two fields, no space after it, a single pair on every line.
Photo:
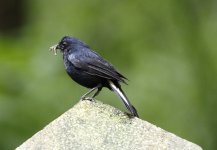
[66,43]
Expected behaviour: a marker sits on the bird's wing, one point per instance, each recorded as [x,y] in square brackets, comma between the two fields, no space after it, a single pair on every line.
[96,66]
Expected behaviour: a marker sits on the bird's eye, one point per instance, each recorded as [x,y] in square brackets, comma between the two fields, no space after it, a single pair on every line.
[64,43]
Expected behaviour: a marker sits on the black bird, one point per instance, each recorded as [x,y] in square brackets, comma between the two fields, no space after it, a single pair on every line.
[89,69]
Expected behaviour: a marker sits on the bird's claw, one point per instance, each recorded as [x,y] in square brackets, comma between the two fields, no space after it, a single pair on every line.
[87,98]
[53,49]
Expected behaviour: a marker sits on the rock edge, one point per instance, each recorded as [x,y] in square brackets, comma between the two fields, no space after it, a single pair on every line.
[97,126]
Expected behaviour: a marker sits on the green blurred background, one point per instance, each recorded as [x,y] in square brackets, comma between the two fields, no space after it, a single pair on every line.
[167,49]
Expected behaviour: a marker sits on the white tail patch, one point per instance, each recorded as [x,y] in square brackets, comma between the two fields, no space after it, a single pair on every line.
[119,93]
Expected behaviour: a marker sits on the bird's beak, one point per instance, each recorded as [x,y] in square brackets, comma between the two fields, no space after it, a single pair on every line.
[54,49]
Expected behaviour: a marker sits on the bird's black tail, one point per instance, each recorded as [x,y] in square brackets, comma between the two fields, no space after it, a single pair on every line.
[124,98]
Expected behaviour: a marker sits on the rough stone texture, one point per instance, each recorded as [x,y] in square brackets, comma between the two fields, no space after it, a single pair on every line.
[97,126]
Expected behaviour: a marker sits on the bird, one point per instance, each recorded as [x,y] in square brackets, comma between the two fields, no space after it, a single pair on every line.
[91,70]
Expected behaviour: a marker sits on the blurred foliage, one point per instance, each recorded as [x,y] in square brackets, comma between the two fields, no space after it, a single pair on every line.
[167,49]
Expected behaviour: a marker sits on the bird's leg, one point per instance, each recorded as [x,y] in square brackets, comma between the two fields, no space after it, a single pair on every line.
[97,92]
[84,96]
[98,87]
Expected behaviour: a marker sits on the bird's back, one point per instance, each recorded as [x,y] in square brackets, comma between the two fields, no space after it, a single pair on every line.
[88,65]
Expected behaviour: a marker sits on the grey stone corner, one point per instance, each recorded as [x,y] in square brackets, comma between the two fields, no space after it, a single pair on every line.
[97,126]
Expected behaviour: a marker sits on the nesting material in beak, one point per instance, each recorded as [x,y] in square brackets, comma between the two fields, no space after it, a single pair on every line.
[54,49]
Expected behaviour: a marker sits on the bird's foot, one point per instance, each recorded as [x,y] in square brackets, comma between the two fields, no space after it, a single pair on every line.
[87,98]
